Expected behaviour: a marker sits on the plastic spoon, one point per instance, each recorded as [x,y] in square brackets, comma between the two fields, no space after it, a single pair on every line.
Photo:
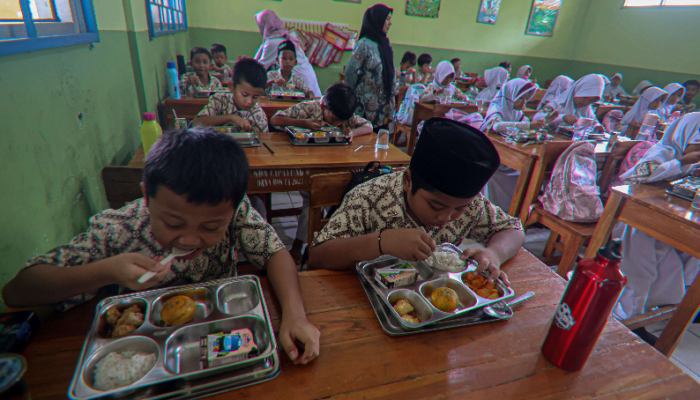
[436,264]
[176,253]
[499,312]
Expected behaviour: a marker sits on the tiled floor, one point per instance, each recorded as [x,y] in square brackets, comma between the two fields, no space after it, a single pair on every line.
[686,356]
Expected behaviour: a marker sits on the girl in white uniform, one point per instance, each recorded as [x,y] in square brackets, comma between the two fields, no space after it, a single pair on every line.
[650,100]
[274,33]
[575,103]
[495,78]
[559,85]
[675,91]
[615,89]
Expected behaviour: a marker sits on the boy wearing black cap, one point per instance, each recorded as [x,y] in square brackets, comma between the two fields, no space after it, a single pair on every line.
[285,78]
[439,192]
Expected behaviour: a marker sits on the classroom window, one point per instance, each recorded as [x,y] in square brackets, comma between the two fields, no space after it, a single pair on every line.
[27,25]
[660,3]
[166,16]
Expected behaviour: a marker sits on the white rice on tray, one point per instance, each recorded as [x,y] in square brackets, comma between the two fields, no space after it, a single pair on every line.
[449,261]
[122,369]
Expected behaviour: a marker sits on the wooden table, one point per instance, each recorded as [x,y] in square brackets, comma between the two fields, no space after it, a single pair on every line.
[606,108]
[290,167]
[425,111]
[188,107]
[357,360]
[667,218]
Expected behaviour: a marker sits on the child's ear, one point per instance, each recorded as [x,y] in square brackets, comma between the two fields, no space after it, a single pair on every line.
[143,190]
[407,181]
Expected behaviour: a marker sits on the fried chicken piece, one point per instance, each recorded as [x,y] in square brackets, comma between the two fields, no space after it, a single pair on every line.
[403,307]
[123,329]
[410,318]
[113,316]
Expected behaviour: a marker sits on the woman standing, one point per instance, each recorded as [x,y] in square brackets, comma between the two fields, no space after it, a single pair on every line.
[370,70]
[274,33]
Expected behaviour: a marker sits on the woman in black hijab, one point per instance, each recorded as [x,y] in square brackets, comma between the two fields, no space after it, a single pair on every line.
[370,70]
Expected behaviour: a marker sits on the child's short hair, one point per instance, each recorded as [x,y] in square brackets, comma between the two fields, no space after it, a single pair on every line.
[692,82]
[341,100]
[409,57]
[504,64]
[218,48]
[287,45]
[249,70]
[424,58]
[456,59]
[205,165]
[199,50]
[417,182]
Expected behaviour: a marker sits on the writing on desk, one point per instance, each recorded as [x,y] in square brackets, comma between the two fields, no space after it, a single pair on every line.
[286,173]
[279,182]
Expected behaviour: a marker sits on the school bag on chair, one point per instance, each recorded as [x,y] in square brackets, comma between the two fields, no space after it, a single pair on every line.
[572,193]
[633,156]
[612,120]
[405,114]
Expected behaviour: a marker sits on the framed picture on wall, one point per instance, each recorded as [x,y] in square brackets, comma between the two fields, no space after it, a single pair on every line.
[488,11]
[543,17]
[350,1]
[423,8]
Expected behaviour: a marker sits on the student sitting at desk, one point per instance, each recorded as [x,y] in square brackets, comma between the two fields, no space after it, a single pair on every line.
[441,88]
[558,86]
[641,87]
[425,70]
[201,79]
[239,108]
[406,75]
[286,78]
[194,184]
[457,64]
[657,274]
[336,108]
[675,91]
[436,200]
[650,100]
[524,72]
[575,103]
[220,64]
[614,89]
[691,89]
[495,78]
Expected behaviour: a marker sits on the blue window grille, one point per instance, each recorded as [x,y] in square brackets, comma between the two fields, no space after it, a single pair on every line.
[166,16]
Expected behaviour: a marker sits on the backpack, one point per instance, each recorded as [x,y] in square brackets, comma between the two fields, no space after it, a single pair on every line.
[633,156]
[572,193]
[612,120]
[405,114]
[372,170]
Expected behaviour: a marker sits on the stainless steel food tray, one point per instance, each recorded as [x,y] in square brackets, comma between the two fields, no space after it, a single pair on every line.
[418,293]
[245,139]
[286,96]
[221,305]
[328,139]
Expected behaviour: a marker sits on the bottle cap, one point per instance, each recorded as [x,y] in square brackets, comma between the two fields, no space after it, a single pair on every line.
[171,64]
[149,116]
[612,251]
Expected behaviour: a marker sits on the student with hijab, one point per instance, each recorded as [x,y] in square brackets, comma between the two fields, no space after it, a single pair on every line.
[691,89]
[650,100]
[524,72]
[370,70]
[657,274]
[643,85]
[558,86]
[442,89]
[495,78]
[615,89]
[675,94]
[274,34]
[574,103]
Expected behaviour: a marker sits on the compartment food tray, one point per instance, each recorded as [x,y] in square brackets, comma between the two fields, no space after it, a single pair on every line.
[329,138]
[221,306]
[286,96]
[245,139]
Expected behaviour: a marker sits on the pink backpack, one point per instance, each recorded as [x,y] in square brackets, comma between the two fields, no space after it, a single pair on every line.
[572,193]
[633,156]
[612,120]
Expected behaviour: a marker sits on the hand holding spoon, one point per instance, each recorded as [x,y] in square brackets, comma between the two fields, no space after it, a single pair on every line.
[176,253]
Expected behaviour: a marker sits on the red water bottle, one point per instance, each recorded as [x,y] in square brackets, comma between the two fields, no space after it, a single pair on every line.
[589,299]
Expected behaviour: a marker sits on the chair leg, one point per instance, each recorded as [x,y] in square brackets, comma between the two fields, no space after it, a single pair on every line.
[572,248]
[549,248]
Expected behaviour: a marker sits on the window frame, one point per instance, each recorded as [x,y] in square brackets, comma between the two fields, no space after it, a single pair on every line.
[660,5]
[34,42]
[151,26]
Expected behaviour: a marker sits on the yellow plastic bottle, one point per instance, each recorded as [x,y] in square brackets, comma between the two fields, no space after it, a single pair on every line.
[150,131]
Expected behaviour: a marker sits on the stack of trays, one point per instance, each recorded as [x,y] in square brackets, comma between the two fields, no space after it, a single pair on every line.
[282,95]
[245,139]
[685,188]
[326,136]
[184,368]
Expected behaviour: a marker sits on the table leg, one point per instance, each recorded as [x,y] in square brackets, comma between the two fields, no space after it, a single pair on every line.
[521,187]
[680,320]
[606,223]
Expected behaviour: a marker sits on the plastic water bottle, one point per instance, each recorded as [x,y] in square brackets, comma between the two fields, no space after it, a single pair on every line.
[173,81]
[648,129]
[150,131]
[382,139]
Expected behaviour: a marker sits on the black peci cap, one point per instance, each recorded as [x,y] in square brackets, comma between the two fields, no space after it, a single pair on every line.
[454,158]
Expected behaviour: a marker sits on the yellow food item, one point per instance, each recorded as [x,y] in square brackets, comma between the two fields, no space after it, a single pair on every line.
[481,286]
[411,318]
[403,307]
[177,310]
[444,299]
[222,129]
[300,135]
[319,134]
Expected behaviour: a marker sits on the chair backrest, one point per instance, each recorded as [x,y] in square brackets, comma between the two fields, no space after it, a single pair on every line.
[122,185]
[547,83]
[327,190]
[612,163]
[400,96]
[542,170]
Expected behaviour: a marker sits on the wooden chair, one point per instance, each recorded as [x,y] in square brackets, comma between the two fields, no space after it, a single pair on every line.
[547,83]
[398,128]
[326,191]
[567,237]
[122,185]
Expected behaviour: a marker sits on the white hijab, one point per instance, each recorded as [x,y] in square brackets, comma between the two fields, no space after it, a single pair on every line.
[666,109]
[591,85]
[495,78]
[443,70]
[682,133]
[614,90]
[502,104]
[523,70]
[642,85]
[641,107]
[558,86]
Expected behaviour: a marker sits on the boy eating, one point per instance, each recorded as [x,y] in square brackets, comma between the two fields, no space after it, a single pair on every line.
[407,74]
[336,108]
[439,193]
[239,108]
[285,78]
[201,79]
[194,184]
[425,70]
[220,65]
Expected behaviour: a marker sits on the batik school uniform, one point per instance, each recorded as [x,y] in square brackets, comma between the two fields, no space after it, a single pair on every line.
[589,86]
[227,72]
[419,77]
[312,110]
[641,108]
[449,92]
[223,104]
[667,108]
[128,230]
[687,107]
[295,83]
[559,85]
[615,91]
[214,84]
[495,78]
[657,274]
